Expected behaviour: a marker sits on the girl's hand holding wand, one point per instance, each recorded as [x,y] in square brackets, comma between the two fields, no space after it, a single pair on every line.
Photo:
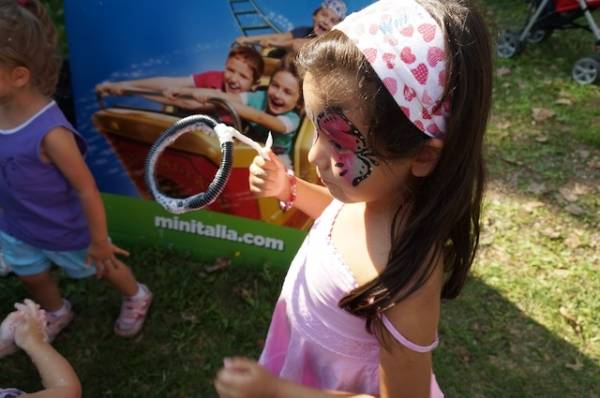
[269,178]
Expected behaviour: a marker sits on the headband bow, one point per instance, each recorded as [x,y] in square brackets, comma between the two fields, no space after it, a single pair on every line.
[406,48]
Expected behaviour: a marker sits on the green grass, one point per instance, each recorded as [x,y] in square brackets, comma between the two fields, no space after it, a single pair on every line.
[527,324]
[197,319]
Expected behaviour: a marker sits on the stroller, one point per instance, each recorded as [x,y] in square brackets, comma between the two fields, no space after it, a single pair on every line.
[544,17]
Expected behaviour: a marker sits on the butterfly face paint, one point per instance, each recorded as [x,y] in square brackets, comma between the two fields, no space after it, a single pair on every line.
[353,159]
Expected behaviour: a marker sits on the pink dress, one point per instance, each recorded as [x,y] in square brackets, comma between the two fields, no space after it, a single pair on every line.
[312,341]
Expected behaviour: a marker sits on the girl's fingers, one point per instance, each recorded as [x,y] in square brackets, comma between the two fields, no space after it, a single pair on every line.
[120,251]
[242,363]
[21,307]
[116,263]
[258,161]
[32,308]
[261,187]
[99,269]
[231,378]
[256,170]
[274,158]
[223,390]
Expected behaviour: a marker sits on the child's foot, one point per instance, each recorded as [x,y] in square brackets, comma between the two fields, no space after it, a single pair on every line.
[58,320]
[133,313]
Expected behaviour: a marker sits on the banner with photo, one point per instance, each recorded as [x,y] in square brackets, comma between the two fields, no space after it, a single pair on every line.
[139,67]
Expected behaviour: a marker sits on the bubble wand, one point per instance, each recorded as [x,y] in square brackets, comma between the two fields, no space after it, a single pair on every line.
[225,134]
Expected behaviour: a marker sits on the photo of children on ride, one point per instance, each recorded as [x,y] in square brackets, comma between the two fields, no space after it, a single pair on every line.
[276,110]
[258,93]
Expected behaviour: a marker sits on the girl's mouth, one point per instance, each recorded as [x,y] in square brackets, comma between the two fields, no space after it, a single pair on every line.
[276,102]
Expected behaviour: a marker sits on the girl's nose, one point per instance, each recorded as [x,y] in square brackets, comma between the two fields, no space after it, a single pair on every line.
[316,154]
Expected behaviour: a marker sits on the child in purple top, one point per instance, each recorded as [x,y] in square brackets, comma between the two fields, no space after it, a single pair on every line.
[399,94]
[52,210]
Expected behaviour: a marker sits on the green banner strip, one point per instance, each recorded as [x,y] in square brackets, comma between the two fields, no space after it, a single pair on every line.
[204,235]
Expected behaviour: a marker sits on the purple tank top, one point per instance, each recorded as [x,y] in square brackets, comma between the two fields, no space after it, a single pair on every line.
[39,206]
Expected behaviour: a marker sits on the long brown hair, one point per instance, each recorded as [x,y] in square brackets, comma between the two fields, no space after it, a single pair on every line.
[28,38]
[441,217]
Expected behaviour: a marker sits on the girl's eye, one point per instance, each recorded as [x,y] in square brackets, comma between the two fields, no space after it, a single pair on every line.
[336,145]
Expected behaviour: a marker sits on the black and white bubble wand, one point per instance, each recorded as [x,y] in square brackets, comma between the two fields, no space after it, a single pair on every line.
[225,134]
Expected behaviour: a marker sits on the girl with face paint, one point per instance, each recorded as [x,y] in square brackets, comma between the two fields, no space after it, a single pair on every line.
[399,94]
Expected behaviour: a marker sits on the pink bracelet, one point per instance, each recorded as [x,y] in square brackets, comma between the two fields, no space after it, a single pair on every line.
[285,206]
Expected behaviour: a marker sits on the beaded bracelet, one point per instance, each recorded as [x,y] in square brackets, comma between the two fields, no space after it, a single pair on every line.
[286,205]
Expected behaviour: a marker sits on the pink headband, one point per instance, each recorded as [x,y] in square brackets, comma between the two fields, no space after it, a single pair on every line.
[406,48]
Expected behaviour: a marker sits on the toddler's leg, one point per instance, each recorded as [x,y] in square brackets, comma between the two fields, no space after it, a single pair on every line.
[44,290]
[136,300]
[122,279]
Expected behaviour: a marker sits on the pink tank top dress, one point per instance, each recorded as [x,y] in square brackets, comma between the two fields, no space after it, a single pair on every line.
[311,341]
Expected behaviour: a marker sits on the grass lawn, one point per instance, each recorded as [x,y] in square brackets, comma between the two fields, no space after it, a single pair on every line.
[527,324]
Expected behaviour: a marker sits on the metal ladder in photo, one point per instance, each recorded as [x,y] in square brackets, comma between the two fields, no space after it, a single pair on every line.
[250,19]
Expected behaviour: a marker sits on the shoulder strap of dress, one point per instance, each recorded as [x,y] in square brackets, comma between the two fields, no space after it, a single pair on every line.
[404,341]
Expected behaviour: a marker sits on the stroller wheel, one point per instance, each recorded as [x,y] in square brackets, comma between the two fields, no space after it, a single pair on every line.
[508,45]
[538,36]
[587,70]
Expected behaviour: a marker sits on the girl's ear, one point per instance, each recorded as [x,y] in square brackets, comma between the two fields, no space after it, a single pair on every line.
[20,76]
[426,159]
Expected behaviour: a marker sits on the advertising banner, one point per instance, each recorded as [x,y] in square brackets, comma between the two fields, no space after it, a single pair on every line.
[139,67]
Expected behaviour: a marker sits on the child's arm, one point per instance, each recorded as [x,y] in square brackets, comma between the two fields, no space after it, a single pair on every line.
[269,178]
[198,94]
[58,377]
[196,98]
[282,40]
[59,147]
[159,83]
[244,378]
[271,122]
[403,371]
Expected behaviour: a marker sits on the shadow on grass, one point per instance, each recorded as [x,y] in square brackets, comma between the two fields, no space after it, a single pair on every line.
[490,348]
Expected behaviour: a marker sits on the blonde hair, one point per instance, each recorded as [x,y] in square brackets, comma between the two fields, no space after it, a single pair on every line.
[28,38]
